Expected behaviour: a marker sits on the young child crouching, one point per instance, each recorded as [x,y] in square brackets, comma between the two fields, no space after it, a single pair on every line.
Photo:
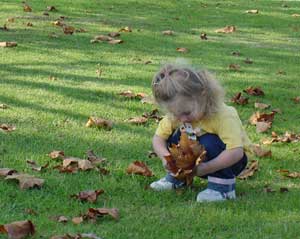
[194,100]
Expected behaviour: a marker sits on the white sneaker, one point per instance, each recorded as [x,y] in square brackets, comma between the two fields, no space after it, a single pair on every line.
[210,195]
[163,185]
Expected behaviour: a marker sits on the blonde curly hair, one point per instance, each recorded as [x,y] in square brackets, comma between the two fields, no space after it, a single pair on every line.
[179,79]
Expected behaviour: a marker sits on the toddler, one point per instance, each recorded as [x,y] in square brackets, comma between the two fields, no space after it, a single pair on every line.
[194,101]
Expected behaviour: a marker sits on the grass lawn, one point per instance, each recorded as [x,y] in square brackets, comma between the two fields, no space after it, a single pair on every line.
[50,84]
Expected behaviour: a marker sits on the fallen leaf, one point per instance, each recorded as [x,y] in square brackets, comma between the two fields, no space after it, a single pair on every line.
[103,38]
[93,213]
[51,9]
[115,41]
[138,167]
[234,67]
[168,33]
[147,62]
[68,30]
[260,152]
[18,229]
[261,106]
[261,117]
[7,171]
[36,167]
[154,114]
[263,126]
[58,23]
[235,53]
[45,13]
[4,28]
[30,211]
[80,30]
[93,158]
[7,128]
[203,36]
[283,190]
[29,24]
[256,91]
[11,19]
[249,170]
[99,123]
[182,49]
[27,8]
[8,44]
[77,220]
[295,15]
[296,99]
[3,106]
[289,174]
[281,72]
[239,99]
[125,29]
[268,189]
[26,181]
[248,61]
[252,11]
[82,164]
[137,120]
[90,195]
[62,219]
[57,154]
[227,29]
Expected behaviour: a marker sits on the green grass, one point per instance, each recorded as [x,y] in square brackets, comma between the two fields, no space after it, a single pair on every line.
[51,115]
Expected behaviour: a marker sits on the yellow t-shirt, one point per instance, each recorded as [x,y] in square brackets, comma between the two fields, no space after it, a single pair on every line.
[226,124]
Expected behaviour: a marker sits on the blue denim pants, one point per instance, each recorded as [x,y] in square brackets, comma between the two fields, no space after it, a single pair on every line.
[214,146]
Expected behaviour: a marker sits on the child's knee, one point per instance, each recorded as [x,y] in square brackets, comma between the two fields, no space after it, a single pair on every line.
[213,144]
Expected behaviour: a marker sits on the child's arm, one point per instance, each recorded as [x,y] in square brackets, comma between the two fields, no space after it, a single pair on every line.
[160,148]
[223,160]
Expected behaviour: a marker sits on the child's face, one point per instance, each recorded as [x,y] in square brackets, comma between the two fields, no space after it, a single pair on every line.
[184,109]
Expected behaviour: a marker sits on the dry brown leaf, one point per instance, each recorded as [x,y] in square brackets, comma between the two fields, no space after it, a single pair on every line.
[263,126]
[203,36]
[58,23]
[68,30]
[261,106]
[260,152]
[4,28]
[235,53]
[51,9]
[248,61]
[252,11]
[93,158]
[295,15]
[138,167]
[77,220]
[261,117]
[227,29]
[26,181]
[283,190]
[182,49]
[35,166]
[62,219]
[125,29]
[78,163]
[99,123]
[3,106]
[93,213]
[239,99]
[137,120]
[115,41]
[154,114]
[29,24]
[268,189]
[10,19]
[18,229]
[27,8]
[184,157]
[249,170]
[90,195]
[296,99]
[103,38]
[234,67]
[57,154]
[8,44]
[168,33]
[256,91]
[7,128]
[287,173]
[7,171]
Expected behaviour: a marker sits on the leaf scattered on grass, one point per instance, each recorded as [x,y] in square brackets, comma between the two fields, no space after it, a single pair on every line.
[261,117]
[252,11]
[93,213]
[68,30]
[260,152]
[239,99]
[8,44]
[26,181]
[27,8]
[227,29]
[296,99]
[256,91]
[18,229]
[263,126]
[89,195]
[7,128]
[168,33]
[182,49]
[203,36]
[3,106]
[235,53]
[99,123]
[77,220]
[287,173]
[34,166]
[138,167]
[249,170]
[57,154]
[7,171]
[125,29]
[234,67]
[131,95]
[261,106]
[51,9]
[137,120]
[248,61]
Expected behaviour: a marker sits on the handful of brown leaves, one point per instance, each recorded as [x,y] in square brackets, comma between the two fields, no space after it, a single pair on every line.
[185,156]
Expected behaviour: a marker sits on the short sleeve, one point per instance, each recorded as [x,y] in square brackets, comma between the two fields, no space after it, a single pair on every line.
[230,129]
[164,129]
